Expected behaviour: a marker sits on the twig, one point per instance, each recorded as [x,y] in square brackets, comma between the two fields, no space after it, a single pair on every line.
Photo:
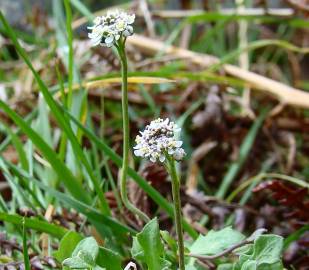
[224,252]
[170,14]
[244,57]
[299,5]
[147,16]
[281,12]
[286,94]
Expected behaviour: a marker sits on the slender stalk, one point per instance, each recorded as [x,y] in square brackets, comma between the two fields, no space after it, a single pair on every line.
[126,135]
[177,210]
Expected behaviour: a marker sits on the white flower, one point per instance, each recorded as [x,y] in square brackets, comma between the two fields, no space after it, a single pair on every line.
[130,265]
[159,139]
[109,28]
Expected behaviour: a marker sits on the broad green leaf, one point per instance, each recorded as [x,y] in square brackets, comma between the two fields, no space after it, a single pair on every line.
[76,263]
[216,241]
[225,266]
[84,255]
[268,249]
[148,248]
[169,240]
[265,253]
[88,245]
[109,259]
[256,234]
[67,245]
[274,266]
[249,265]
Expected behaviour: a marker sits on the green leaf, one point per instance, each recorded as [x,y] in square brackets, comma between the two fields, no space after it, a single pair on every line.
[67,245]
[25,248]
[76,263]
[265,253]
[35,224]
[87,245]
[249,265]
[244,150]
[295,236]
[63,172]
[267,249]
[148,248]
[256,234]
[97,267]
[96,218]
[225,266]
[19,148]
[109,259]
[84,255]
[63,124]
[169,240]
[216,241]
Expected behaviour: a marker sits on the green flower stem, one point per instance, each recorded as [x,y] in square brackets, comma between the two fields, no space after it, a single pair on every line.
[177,209]
[126,134]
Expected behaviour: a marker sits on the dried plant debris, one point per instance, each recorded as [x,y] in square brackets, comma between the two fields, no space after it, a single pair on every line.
[193,51]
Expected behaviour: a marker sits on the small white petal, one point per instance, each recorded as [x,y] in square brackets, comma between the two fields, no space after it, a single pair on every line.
[171,151]
[162,158]
[109,39]
[131,19]
[129,265]
[178,143]
[138,153]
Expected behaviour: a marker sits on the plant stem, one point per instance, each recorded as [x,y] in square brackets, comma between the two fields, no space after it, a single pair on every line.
[126,135]
[177,210]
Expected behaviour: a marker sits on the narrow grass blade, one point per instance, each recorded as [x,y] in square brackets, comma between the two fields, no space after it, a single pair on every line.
[60,119]
[19,148]
[25,248]
[92,214]
[256,45]
[218,16]
[295,236]
[63,172]
[243,153]
[70,54]
[34,224]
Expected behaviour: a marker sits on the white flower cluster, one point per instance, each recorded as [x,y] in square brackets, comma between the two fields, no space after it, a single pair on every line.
[109,28]
[157,140]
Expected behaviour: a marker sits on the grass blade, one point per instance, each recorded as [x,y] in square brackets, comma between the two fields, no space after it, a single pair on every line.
[34,224]
[60,119]
[93,215]
[25,248]
[243,153]
[295,236]
[63,172]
